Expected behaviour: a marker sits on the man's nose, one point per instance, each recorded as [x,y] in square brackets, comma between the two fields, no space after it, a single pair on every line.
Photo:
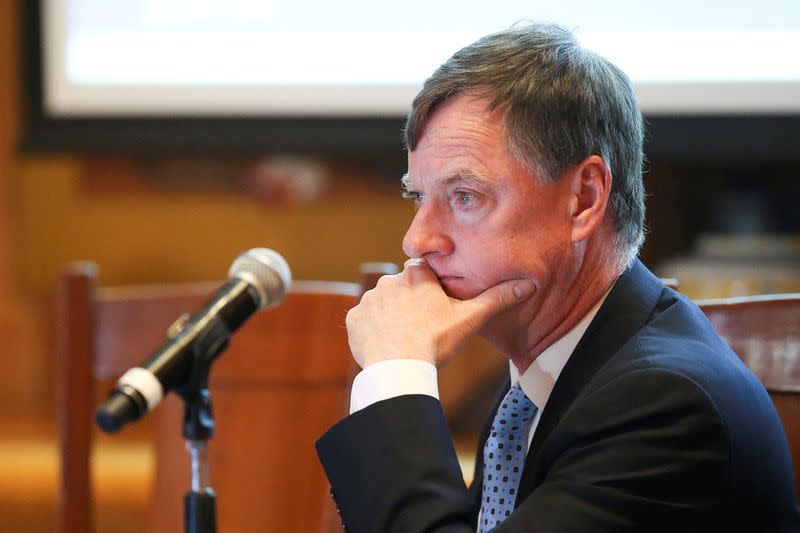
[427,234]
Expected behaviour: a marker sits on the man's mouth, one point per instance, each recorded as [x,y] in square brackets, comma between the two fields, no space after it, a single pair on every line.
[453,285]
[446,279]
[456,287]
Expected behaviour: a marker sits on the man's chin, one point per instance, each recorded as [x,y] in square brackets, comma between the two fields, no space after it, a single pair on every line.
[509,322]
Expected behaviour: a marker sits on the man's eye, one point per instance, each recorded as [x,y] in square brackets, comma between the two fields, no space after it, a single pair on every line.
[413,195]
[466,199]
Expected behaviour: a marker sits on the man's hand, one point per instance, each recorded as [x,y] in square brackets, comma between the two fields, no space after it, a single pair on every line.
[409,316]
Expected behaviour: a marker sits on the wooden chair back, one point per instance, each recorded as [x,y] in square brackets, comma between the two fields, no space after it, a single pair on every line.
[283,381]
[765,331]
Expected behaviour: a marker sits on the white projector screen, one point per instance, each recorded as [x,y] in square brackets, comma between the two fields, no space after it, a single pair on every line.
[366,58]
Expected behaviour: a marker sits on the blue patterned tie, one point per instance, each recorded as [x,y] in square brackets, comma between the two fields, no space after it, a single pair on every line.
[504,457]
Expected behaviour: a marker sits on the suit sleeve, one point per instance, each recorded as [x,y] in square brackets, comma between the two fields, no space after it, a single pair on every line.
[393,468]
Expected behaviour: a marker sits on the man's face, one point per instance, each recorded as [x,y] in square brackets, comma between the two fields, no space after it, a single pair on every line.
[481,217]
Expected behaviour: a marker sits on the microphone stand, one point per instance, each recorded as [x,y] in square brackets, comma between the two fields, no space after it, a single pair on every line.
[199,504]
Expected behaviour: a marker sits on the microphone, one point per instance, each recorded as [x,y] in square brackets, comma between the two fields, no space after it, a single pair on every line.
[258,279]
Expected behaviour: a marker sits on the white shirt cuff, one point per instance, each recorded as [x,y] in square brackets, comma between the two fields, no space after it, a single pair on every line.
[392,378]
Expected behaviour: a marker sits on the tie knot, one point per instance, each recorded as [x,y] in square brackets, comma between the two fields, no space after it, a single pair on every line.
[514,412]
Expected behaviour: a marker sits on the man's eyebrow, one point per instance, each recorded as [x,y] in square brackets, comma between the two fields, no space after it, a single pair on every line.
[467,175]
[460,175]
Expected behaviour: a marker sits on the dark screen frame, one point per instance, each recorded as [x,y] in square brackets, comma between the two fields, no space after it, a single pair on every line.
[751,138]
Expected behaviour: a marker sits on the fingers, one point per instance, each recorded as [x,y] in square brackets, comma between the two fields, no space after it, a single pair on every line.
[412,261]
[418,270]
[498,298]
[401,318]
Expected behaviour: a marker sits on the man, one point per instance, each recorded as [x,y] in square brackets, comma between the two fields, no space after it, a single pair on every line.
[623,411]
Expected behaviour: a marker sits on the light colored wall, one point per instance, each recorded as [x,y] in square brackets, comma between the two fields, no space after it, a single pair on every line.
[142,233]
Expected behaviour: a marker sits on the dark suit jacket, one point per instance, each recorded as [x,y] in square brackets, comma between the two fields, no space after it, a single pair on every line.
[653,425]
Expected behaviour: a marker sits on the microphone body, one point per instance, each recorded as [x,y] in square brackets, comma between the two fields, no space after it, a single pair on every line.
[259,279]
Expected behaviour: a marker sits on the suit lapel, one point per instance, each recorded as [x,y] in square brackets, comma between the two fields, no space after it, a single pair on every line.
[626,310]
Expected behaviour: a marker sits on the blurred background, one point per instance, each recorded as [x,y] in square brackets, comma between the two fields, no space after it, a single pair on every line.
[169,194]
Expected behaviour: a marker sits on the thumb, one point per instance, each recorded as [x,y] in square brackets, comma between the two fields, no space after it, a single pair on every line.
[498,298]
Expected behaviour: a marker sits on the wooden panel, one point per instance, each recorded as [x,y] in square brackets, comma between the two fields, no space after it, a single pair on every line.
[294,344]
[765,332]
[262,460]
[283,382]
[75,397]
[788,407]
[132,323]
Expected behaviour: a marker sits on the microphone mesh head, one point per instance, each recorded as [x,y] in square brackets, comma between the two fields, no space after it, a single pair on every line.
[265,270]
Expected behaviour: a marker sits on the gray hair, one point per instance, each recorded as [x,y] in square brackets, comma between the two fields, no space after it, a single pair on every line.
[562,104]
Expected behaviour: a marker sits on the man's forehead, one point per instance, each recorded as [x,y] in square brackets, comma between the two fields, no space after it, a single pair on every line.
[464,117]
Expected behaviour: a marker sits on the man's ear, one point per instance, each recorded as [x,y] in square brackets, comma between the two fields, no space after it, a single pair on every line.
[590,187]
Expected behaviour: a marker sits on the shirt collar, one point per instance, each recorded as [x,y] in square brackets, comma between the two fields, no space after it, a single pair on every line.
[538,380]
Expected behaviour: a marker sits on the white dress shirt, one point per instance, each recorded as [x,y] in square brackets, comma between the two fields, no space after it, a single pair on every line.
[538,380]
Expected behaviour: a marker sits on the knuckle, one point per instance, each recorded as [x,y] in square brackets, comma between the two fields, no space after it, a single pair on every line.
[350,317]
[387,280]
